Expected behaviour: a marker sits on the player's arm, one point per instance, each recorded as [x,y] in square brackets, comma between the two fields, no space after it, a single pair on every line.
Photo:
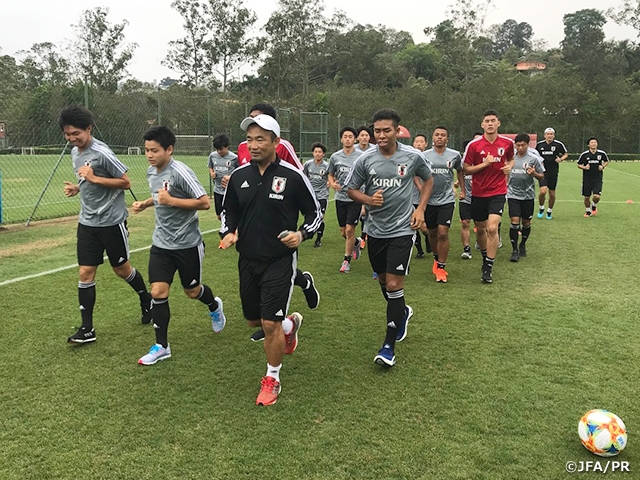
[605,163]
[563,157]
[582,163]
[508,166]
[536,171]
[470,169]
[142,205]
[460,176]
[229,215]
[212,172]
[70,189]
[122,183]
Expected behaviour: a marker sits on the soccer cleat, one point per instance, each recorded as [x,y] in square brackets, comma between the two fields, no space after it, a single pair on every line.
[257,336]
[318,243]
[156,353]
[420,255]
[291,340]
[402,331]
[374,276]
[356,249]
[363,242]
[441,275]
[499,242]
[385,356]
[487,275]
[218,320]
[587,214]
[269,391]
[83,336]
[594,211]
[311,294]
[466,255]
[346,267]
[540,213]
[515,256]
[146,312]
[523,251]
[434,268]
[549,217]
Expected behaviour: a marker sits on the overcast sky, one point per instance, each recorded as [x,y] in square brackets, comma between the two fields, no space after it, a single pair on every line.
[153,23]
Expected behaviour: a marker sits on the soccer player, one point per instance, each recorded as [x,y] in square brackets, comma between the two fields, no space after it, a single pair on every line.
[347,210]
[592,162]
[102,223]
[489,160]
[521,193]
[387,176]
[363,137]
[419,143]
[439,214]
[221,163]
[177,196]
[262,203]
[316,170]
[553,152]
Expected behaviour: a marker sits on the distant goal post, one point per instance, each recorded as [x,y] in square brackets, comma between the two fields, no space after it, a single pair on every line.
[194,144]
[28,151]
[134,151]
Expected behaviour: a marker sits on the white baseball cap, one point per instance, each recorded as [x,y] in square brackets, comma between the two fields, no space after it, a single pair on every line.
[547,130]
[263,121]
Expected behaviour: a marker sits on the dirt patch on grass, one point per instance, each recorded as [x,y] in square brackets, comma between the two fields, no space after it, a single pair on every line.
[37,246]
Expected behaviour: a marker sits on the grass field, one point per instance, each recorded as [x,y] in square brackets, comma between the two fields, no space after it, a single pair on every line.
[490,382]
[25,176]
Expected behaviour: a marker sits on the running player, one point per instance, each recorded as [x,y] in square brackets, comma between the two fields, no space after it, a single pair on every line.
[363,143]
[347,210]
[489,159]
[102,223]
[464,209]
[553,152]
[262,204]
[439,214]
[221,163]
[592,162]
[527,167]
[177,196]
[316,170]
[419,143]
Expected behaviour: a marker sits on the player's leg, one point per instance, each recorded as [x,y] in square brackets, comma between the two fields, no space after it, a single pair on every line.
[418,243]
[553,183]
[514,228]
[495,206]
[480,215]
[597,191]
[250,275]
[116,242]
[541,196]
[320,233]
[431,235]
[217,201]
[465,229]
[353,217]
[526,215]
[341,213]
[445,216]
[586,194]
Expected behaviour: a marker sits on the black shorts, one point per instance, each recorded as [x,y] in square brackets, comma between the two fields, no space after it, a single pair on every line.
[391,255]
[348,213]
[550,180]
[482,207]
[217,201]
[464,209]
[436,215]
[163,264]
[266,286]
[93,241]
[591,186]
[323,205]
[521,208]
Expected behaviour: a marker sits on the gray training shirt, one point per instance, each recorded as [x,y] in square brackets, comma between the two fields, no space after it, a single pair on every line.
[443,167]
[222,166]
[100,206]
[318,175]
[467,189]
[522,186]
[176,228]
[395,177]
[339,166]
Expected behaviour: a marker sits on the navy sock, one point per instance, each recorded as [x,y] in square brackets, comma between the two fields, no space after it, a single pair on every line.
[161,315]
[87,299]
[395,316]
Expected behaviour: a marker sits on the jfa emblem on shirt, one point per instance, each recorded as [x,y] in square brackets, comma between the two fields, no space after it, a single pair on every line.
[449,163]
[525,166]
[553,149]
[278,185]
[321,173]
[165,185]
[402,170]
[599,157]
[500,152]
[228,163]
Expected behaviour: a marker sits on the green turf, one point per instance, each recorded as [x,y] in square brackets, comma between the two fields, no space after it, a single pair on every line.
[490,382]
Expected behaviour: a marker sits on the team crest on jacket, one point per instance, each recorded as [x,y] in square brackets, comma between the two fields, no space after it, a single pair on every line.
[402,170]
[165,185]
[278,185]
[228,163]
[500,151]
[525,165]
[553,149]
[599,157]
[449,164]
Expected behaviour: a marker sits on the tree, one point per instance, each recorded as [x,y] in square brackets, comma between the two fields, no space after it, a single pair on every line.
[229,48]
[42,64]
[102,55]
[627,14]
[187,54]
[584,40]
[513,34]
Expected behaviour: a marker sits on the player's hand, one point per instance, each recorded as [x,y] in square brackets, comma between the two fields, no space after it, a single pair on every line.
[292,239]
[462,195]
[456,184]
[600,167]
[138,207]
[506,169]
[164,197]
[336,186]
[488,159]
[225,180]
[558,159]
[417,220]
[212,173]
[70,189]
[377,199]
[587,167]
[229,240]
[86,172]
[531,171]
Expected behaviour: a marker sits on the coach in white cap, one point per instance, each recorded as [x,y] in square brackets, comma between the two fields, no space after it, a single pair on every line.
[553,152]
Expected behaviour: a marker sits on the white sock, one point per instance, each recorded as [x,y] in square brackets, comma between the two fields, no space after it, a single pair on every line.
[542,207]
[593,205]
[549,210]
[287,326]
[274,372]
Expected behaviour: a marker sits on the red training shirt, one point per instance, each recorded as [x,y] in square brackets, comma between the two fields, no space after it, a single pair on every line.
[491,181]
[285,152]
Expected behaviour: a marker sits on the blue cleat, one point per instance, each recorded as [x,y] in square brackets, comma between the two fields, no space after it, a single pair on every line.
[385,356]
[402,331]
[540,213]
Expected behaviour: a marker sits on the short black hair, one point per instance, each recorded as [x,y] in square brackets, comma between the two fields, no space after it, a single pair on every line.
[592,138]
[264,108]
[220,141]
[423,136]
[75,116]
[522,137]
[348,129]
[442,127]
[488,113]
[315,145]
[365,128]
[161,134]
[387,114]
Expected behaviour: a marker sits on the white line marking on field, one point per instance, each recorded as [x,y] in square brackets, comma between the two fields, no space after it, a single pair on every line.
[626,173]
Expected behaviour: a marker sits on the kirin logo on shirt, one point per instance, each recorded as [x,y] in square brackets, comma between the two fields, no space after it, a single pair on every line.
[278,184]
[402,170]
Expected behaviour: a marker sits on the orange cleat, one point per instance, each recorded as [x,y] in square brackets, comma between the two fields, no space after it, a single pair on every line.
[291,340]
[269,391]
[434,269]
[441,275]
